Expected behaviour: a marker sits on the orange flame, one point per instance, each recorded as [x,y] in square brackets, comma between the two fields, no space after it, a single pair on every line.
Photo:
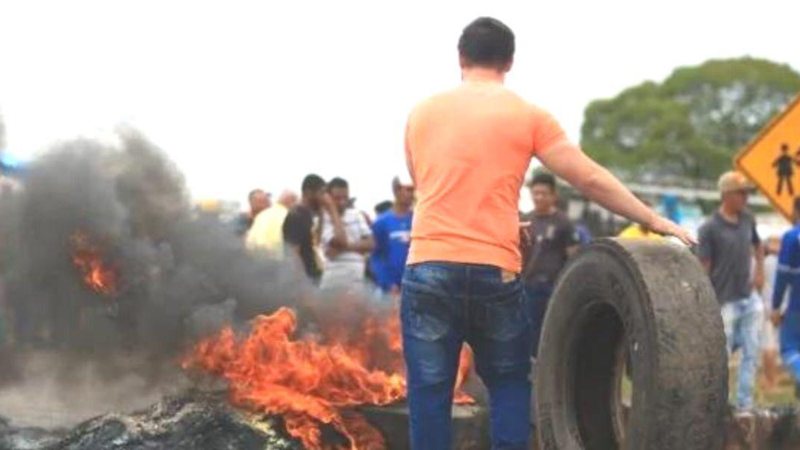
[309,383]
[97,274]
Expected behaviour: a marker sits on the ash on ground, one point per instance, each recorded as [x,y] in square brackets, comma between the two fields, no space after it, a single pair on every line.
[188,422]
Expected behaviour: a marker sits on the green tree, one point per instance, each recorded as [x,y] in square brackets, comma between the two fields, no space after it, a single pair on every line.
[688,128]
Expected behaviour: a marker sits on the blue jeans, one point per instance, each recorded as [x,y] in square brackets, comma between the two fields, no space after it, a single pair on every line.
[444,305]
[742,320]
[790,343]
[538,297]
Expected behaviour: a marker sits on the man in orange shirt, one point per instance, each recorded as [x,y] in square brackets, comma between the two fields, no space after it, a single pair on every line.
[468,150]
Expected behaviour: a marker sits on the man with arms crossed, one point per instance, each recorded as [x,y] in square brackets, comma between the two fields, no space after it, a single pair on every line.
[468,150]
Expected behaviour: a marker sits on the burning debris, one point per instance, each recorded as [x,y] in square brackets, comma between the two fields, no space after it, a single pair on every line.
[98,275]
[103,258]
[192,421]
[197,420]
[109,261]
[311,382]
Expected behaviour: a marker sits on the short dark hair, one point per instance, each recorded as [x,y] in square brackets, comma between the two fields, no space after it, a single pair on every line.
[383,206]
[543,178]
[312,183]
[487,42]
[338,182]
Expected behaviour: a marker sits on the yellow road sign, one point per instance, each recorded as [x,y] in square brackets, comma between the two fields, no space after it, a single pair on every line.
[772,159]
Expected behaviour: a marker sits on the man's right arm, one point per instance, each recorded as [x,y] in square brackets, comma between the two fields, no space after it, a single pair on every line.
[569,162]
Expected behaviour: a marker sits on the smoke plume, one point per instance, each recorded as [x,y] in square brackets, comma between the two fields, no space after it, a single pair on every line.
[181,274]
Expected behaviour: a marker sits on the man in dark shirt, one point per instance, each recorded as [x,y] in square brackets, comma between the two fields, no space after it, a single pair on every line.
[728,242]
[549,240]
[301,228]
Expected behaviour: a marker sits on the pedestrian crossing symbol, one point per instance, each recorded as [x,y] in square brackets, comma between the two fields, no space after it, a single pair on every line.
[772,160]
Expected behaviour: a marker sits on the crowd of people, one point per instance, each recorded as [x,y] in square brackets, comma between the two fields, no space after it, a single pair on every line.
[338,247]
[467,267]
[755,281]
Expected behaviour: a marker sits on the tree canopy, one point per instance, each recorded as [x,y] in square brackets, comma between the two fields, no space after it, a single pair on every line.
[688,128]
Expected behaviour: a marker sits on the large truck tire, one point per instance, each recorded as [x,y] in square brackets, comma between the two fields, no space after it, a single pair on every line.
[638,311]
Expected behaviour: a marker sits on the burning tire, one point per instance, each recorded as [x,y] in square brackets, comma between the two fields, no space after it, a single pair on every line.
[639,320]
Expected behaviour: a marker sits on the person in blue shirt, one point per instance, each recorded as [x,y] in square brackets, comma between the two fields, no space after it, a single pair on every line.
[392,234]
[788,276]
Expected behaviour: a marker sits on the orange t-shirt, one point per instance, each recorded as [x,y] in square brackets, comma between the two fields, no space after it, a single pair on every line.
[468,150]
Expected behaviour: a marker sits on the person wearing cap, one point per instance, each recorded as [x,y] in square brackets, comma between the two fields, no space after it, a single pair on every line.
[787,316]
[728,243]
[392,234]
[468,150]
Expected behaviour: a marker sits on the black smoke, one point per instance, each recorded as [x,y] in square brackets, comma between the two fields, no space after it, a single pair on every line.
[181,273]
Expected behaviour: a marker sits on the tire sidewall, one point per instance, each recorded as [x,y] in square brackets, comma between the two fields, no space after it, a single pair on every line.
[605,279]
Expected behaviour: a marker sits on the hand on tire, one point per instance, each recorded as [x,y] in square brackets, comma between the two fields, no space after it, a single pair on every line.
[667,227]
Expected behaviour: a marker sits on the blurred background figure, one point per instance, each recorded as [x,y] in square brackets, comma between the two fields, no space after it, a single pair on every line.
[346,243]
[769,336]
[786,315]
[392,234]
[301,232]
[383,207]
[728,244]
[259,200]
[550,240]
[267,230]
[639,231]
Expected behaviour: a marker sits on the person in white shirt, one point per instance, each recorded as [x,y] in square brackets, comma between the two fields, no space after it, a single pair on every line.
[346,242]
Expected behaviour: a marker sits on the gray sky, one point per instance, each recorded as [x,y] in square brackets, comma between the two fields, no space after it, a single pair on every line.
[257,94]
